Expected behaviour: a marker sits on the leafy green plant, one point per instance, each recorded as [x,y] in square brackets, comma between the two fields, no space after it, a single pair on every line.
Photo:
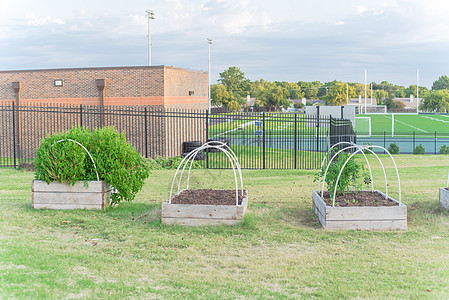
[169,163]
[419,149]
[444,149]
[350,178]
[117,162]
[393,148]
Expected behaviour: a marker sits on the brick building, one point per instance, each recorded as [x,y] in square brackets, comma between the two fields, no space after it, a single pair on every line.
[147,85]
[160,90]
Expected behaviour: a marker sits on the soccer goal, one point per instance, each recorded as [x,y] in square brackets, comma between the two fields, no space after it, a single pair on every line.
[363,126]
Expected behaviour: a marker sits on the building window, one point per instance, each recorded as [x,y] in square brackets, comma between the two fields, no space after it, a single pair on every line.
[58,82]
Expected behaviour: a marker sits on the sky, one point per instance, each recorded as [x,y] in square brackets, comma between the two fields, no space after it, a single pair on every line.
[280,40]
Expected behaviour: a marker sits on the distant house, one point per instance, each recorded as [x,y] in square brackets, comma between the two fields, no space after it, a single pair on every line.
[410,103]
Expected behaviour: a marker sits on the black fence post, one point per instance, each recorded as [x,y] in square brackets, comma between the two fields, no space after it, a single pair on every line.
[318,128]
[207,138]
[263,138]
[146,132]
[435,142]
[385,143]
[14,135]
[81,115]
[413,141]
[295,138]
[342,115]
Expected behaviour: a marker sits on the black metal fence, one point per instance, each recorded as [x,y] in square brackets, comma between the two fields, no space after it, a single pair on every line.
[260,140]
[406,141]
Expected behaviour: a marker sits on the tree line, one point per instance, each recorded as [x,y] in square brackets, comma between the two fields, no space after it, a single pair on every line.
[232,88]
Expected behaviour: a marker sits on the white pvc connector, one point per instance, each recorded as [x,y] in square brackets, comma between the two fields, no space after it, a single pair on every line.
[190,157]
[88,153]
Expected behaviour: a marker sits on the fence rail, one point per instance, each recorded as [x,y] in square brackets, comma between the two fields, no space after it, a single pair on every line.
[261,140]
[432,142]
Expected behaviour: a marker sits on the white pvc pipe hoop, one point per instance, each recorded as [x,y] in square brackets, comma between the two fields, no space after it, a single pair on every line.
[326,156]
[88,153]
[369,167]
[367,148]
[190,157]
[447,184]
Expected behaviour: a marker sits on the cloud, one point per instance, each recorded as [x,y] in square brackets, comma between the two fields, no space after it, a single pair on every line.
[34,20]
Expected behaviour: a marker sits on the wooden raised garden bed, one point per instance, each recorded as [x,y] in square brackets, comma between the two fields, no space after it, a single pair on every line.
[58,195]
[361,217]
[444,197]
[204,207]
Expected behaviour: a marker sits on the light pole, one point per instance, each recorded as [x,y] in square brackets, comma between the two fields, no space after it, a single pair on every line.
[417,91]
[365,90]
[209,42]
[150,16]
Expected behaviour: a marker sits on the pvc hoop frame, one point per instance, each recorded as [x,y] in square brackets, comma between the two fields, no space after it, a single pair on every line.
[367,148]
[328,152]
[91,158]
[190,157]
[361,148]
[447,184]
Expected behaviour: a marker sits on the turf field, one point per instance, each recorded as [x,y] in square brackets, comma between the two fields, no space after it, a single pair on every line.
[404,124]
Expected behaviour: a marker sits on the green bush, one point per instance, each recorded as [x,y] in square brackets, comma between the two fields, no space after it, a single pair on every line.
[350,178]
[444,149]
[169,163]
[393,148]
[117,162]
[419,149]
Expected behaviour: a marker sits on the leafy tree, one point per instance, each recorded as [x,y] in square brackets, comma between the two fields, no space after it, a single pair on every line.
[220,96]
[235,81]
[338,92]
[380,95]
[394,104]
[441,83]
[293,89]
[274,98]
[298,105]
[310,89]
[411,90]
[436,100]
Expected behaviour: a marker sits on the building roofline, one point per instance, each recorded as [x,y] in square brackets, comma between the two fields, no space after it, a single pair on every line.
[100,69]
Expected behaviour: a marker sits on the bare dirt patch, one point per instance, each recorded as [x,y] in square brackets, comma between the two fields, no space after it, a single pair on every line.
[208,197]
[361,198]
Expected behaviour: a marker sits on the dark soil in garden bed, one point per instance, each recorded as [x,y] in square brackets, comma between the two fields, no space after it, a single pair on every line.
[208,197]
[361,198]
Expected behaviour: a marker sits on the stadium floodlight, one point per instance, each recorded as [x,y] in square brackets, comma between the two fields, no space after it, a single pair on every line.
[150,16]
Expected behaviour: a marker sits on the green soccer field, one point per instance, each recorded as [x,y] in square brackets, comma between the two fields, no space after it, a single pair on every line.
[404,124]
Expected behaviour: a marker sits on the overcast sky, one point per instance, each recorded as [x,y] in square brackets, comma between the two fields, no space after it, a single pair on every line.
[275,40]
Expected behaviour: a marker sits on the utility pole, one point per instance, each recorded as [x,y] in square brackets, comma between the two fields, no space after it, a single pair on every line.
[209,42]
[150,16]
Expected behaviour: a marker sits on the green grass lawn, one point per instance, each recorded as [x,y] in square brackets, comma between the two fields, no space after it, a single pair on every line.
[403,123]
[280,251]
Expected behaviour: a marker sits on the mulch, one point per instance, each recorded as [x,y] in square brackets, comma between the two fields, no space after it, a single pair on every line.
[361,198]
[208,197]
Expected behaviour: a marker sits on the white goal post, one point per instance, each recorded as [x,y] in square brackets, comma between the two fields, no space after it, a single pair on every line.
[369,123]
